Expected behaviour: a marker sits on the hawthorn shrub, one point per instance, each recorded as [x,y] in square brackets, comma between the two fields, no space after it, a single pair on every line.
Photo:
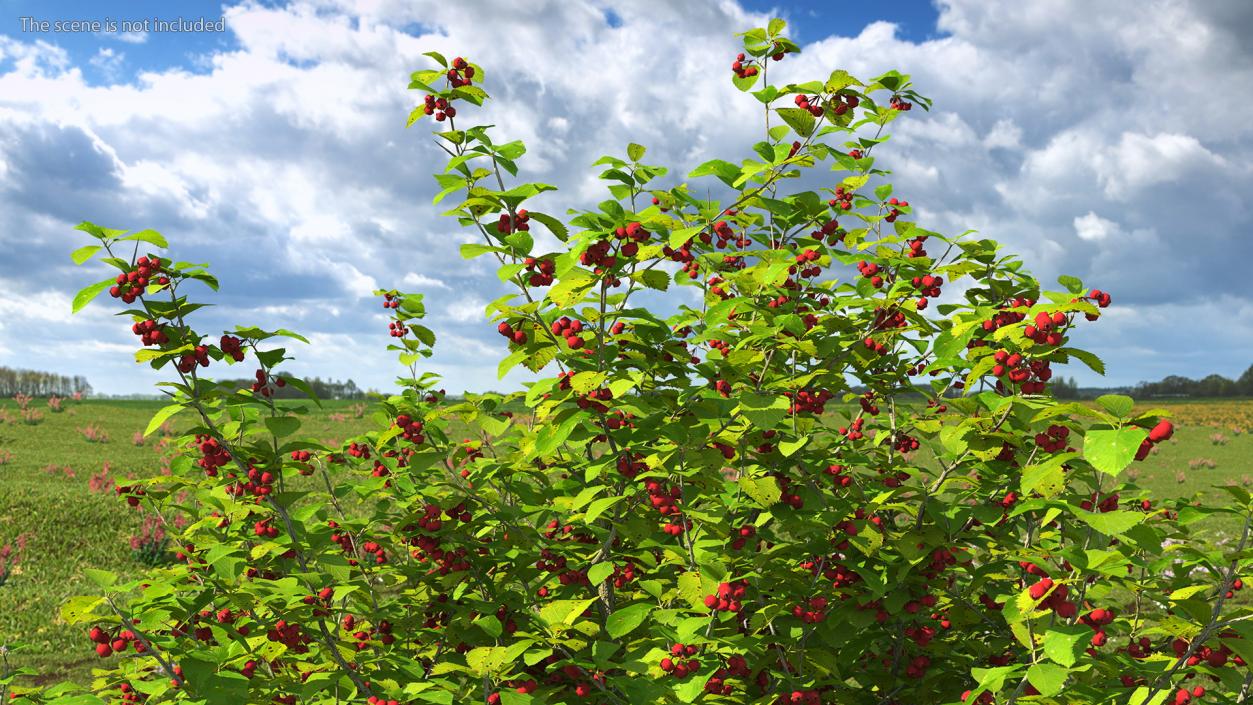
[698,507]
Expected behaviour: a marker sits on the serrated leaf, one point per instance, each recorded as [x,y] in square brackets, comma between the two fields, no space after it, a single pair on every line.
[595,509]
[1117,404]
[1072,284]
[1112,450]
[624,621]
[84,297]
[282,426]
[1113,523]
[799,119]
[763,490]
[1047,678]
[161,417]
[1063,644]
[556,227]
[151,237]
[84,253]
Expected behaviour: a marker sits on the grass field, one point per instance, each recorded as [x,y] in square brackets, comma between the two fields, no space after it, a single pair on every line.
[51,479]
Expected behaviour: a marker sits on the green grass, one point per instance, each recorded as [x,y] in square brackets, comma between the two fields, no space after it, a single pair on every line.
[71,528]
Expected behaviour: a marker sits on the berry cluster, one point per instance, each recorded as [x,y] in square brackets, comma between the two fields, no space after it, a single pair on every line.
[544,276]
[212,455]
[198,356]
[570,330]
[263,384]
[853,433]
[843,199]
[231,348]
[391,301]
[130,285]
[806,401]
[870,270]
[150,332]
[634,234]
[892,214]
[804,103]
[119,642]
[598,255]
[411,429]
[521,222]
[264,529]
[898,103]
[1098,619]
[1005,317]
[1045,329]
[742,535]
[742,71]
[679,668]
[729,597]
[516,336]
[461,73]
[1052,440]
[812,612]
[1102,300]
[439,107]
[1020,370]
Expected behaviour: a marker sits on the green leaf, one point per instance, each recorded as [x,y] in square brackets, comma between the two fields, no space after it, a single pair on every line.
[598,573]
[775,26]
[84,253]
[1072,284]
[486,660]
[799,119]
[1141,696]
[1047,478]
[101,578]
[85,296]
[1064,644]
[839,80]
[282,425]
[564,611]
[763,490]
[556,227]
[1112,450]
[1117,404]
[1047,678]
[635,152]
[161,417]
[763,410]
[625,620]
[724,170]
[1113,523]
[595,509]
[653,279]
[149,236]
[570,289]
[470,250]
[788,448]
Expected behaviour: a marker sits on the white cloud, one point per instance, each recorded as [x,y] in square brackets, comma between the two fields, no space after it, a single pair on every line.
[286,163]
[1094,227]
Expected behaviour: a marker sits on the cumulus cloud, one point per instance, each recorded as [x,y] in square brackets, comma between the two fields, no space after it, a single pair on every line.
[1094,227]
[284,162]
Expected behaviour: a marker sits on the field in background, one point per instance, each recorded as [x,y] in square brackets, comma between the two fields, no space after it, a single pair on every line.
[54,491]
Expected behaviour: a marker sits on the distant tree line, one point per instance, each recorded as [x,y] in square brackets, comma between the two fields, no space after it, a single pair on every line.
[1211,386]
[40,384]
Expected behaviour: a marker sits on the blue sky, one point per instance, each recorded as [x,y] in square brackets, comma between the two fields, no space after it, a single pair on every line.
[1087,142]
